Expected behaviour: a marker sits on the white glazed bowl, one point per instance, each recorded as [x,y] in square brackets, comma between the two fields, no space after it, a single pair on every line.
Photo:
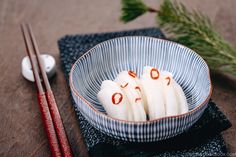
[107,59]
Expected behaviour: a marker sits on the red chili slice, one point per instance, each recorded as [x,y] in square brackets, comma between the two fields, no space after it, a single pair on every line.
[137,99]
[113,98]
[124,85]
[132,74]
[154,73]
[138,88]
[168,78]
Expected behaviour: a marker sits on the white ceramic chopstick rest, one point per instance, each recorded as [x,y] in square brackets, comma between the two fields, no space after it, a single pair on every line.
[153,90]
[128,83]
[49,64]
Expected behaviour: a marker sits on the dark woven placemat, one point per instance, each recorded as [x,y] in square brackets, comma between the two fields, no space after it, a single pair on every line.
[200,140]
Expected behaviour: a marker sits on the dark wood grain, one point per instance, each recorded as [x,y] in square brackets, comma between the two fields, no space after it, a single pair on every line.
[21,128]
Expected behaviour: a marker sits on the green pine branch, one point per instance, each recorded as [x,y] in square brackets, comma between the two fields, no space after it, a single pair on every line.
[132,9]
[188,28]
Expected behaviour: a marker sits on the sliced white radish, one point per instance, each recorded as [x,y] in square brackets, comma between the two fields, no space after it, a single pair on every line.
[153,90]
[171,102]
[127,81]
[114,101]
[181,98]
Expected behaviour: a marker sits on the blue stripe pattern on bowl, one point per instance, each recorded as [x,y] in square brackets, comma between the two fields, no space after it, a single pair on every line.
[107,59]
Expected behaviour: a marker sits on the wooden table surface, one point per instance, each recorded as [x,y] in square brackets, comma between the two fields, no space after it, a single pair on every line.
[21,130]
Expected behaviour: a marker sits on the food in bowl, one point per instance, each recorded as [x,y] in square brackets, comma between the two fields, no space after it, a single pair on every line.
[155,95]
[107,59]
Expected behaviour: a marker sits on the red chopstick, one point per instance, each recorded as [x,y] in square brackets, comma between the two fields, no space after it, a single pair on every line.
[50,114]
[66,151]
[46,117]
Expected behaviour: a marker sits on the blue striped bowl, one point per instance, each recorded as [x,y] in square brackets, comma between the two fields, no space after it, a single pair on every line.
[107,59]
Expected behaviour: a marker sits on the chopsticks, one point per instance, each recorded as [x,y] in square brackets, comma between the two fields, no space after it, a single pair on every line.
[53,125]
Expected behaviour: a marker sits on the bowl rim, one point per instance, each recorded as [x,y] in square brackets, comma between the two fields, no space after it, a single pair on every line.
[138,122]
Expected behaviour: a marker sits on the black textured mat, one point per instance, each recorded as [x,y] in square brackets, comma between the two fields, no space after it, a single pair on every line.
[202,139]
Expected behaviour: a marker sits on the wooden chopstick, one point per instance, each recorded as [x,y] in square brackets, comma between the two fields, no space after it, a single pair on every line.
[56,118]
[42,101]
[50,114]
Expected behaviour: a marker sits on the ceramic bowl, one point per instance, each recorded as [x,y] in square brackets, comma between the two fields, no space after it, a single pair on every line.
[105,60]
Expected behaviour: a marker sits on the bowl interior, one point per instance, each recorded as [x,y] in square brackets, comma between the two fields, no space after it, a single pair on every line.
[107,59]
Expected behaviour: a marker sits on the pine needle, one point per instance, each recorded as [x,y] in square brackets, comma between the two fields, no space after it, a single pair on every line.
[192,29]
[196,31]
[131,9]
